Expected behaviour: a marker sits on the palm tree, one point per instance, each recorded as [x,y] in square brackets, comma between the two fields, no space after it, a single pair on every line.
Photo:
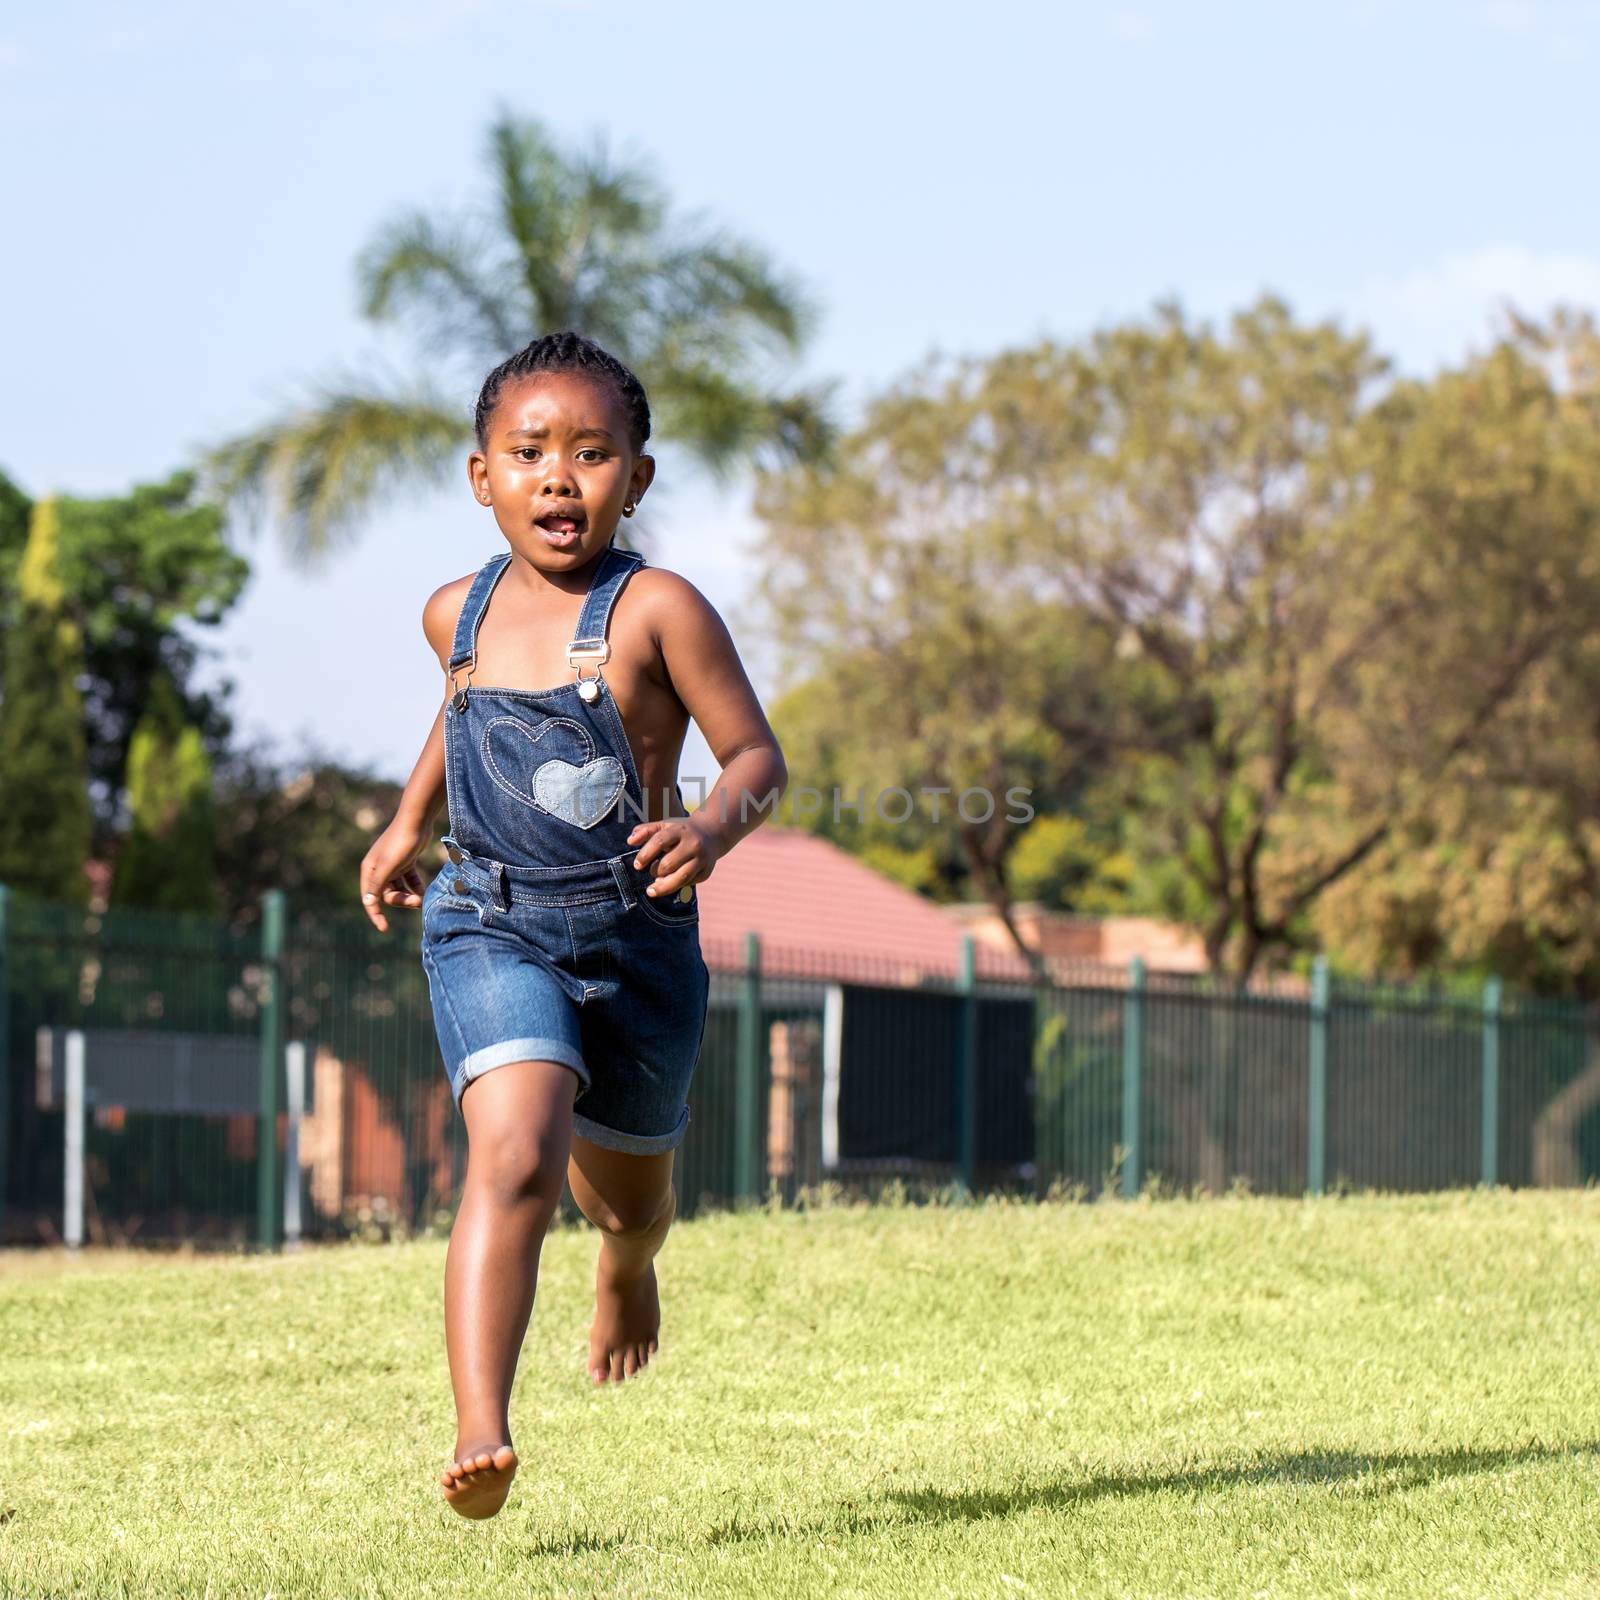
[567,241]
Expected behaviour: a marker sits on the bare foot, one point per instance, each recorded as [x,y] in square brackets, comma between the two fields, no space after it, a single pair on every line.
[627,1319]
[476,1485]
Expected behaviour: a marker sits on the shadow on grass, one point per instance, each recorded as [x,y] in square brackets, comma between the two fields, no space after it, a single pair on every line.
[1391,1472]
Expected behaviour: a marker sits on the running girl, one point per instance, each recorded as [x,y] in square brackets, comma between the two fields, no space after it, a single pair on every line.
[560,939]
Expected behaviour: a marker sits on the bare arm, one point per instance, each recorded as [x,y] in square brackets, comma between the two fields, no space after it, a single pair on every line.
[424,791]
[425,788]
[709,678]
[389,874]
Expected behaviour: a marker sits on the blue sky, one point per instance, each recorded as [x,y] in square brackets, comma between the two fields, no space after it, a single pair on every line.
[186,187]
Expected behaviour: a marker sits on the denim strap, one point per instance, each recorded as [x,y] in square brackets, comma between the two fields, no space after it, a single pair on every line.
[465,645]
[616,567]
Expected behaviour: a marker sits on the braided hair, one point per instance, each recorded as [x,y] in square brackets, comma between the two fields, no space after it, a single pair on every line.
[567,352]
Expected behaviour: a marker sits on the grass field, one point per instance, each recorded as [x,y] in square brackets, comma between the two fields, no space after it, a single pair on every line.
[1356,1396]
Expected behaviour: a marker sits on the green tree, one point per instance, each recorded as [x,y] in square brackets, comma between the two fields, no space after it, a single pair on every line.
[296,823]
[45,818]
[1231,580]
[137,571]
[1072,862]
[1482,518]
[167,861]
[562,240]
[950,668]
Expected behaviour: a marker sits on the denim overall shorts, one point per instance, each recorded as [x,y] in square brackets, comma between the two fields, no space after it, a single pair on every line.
[538,939]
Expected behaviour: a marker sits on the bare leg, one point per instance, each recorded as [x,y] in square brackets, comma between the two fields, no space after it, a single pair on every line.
[630,1199]
[519,1128]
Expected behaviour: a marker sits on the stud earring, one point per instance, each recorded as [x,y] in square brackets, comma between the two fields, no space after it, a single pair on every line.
[627,510]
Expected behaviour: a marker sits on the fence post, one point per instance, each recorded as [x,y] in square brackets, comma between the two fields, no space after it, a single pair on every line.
[1317,1082]
[76,1089]
[1491,1082]
[832,1047]
[294,1072]
[747,1082]
[1132,1079]
[269,1188]
[967,1067]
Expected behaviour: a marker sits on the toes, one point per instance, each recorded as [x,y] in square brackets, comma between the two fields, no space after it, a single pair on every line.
[630,1361]
[482,1462]
[505,1458]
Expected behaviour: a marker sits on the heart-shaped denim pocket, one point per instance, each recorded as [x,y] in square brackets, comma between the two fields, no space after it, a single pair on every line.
[580,795]
[511,746]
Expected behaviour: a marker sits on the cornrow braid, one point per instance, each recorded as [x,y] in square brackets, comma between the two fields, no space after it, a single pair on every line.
[566,352]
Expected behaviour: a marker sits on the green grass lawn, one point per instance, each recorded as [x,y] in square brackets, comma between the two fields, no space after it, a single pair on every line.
[1356,1396]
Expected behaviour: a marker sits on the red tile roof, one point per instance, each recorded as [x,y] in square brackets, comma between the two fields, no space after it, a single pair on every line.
[821,913]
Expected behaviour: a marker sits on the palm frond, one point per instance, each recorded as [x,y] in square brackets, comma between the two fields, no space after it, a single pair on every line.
[565,215]
[432,273]
[579,239]
[319,470]
[732,290]
[724,422]
[802,425]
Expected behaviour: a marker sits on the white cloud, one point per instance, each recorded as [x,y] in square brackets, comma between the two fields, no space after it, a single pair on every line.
[1433,315]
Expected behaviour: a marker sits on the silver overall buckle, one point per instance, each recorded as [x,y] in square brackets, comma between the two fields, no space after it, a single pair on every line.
[458,697]
[599,652]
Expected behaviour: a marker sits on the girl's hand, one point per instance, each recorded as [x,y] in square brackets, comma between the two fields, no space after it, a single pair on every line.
[389,874]
[676,851]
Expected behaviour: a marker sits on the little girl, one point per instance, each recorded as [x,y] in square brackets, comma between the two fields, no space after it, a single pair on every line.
[560,940]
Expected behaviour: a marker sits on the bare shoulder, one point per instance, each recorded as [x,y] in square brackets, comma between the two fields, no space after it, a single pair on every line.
[440,613]
[694,653]
[665,601]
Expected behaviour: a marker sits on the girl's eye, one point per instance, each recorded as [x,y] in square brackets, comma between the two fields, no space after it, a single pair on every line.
[527,452]
[598,455]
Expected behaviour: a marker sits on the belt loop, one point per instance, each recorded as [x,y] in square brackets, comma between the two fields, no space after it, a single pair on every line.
[622,871]
[499,886]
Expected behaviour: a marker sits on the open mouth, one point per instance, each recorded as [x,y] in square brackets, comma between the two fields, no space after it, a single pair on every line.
[561,526]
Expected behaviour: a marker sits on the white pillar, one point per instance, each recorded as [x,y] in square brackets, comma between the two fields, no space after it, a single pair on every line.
[832,1040]
[294,1068]
[74,1097]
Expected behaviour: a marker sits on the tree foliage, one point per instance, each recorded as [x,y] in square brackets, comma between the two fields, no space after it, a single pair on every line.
[135,571]
[1238,588]
[167,862]
[297,824]
[45,820]
[1483,508]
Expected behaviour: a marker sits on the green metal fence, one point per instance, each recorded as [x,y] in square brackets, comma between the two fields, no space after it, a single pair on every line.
[233,1082]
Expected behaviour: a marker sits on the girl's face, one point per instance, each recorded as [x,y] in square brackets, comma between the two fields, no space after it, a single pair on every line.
[558,468]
